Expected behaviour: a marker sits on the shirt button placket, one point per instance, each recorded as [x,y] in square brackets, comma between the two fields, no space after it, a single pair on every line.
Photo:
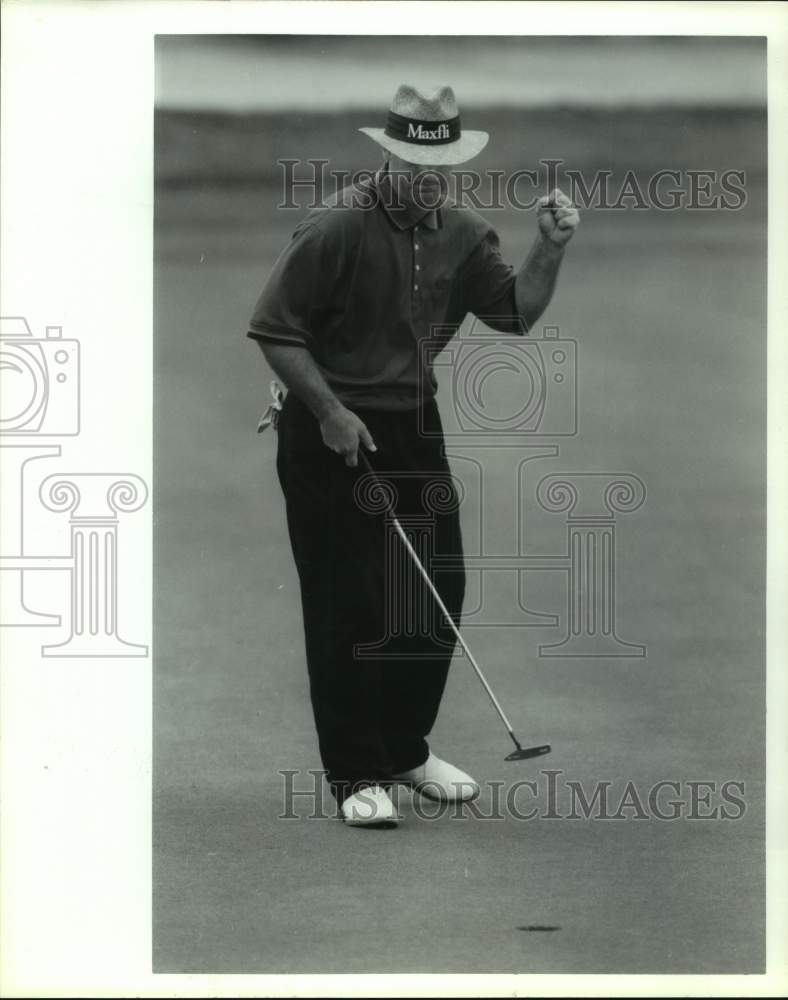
[415,250]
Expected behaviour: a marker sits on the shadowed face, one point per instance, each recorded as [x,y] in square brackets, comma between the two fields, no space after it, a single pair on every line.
[424,186]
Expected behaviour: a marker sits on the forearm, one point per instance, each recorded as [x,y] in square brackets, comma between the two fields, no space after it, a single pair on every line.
[536,279]
[300,373]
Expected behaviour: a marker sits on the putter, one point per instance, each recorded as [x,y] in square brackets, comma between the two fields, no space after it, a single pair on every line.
[521,752]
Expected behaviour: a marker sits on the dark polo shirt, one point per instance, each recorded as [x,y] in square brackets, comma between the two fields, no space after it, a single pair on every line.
[364,281]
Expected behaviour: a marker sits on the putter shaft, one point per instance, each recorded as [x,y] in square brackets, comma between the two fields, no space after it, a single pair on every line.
[439,600]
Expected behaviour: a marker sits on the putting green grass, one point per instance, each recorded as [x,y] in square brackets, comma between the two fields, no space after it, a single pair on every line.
[669,313]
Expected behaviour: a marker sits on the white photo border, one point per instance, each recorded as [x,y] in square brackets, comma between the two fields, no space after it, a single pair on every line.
[77,234]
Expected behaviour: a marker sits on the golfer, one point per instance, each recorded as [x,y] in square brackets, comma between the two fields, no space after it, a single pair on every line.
[362,282]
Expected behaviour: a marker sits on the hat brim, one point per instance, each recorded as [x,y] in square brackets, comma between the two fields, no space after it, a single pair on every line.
[469,144]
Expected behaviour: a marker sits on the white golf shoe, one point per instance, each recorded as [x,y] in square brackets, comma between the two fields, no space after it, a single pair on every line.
[370,807]
[436,779]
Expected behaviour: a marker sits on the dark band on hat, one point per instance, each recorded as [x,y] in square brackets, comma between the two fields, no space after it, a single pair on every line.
[423,133]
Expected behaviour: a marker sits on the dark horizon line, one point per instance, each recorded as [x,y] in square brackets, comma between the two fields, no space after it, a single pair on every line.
[375,112]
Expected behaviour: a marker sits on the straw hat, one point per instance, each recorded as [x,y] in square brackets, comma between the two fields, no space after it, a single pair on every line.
[426,129]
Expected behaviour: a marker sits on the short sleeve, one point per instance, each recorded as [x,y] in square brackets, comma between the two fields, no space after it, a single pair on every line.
[292,304]
[488,287]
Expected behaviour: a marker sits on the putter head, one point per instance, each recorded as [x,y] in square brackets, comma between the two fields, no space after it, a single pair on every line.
[523,753]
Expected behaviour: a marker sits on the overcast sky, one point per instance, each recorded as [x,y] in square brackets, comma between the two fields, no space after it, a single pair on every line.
[228,72]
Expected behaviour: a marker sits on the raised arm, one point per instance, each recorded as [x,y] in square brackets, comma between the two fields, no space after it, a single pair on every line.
[512,301]
[536,279]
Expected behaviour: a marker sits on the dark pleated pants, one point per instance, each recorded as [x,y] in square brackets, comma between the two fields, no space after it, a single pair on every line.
[377,647]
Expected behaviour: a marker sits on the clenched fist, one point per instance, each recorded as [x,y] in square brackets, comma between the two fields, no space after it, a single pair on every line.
[558,218]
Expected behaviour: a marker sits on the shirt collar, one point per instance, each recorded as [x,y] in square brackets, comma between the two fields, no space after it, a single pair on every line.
[404,215]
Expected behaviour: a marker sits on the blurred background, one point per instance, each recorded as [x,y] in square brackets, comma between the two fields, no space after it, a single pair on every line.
[668,309]
[318,73]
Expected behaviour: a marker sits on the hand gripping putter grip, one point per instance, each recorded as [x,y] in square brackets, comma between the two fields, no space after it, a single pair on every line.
[521,752]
